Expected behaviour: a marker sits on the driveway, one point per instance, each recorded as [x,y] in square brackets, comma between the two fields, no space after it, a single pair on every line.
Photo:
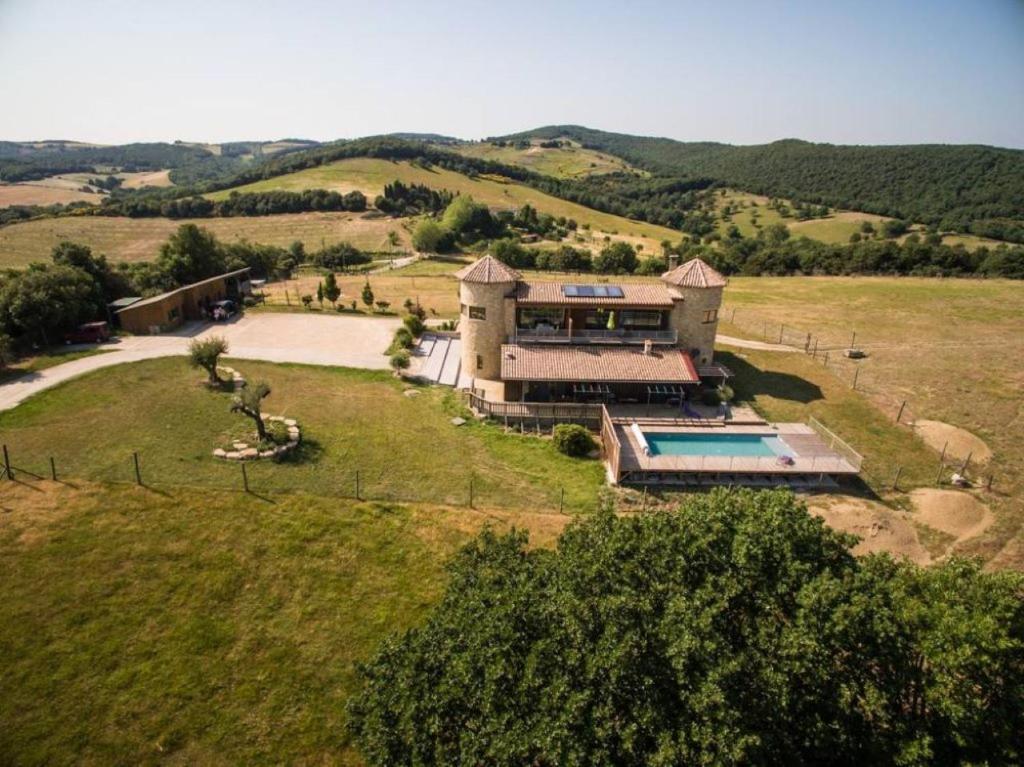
[311,339]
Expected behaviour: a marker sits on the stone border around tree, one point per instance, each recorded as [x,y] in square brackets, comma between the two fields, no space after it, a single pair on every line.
[243,452]
[236,378]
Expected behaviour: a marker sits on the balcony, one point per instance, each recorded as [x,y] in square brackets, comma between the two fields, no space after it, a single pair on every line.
[563,336]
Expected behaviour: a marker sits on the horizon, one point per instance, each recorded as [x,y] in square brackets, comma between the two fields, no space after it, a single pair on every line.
[197,73]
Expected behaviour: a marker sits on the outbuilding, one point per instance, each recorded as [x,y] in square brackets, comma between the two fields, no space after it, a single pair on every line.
[167,311]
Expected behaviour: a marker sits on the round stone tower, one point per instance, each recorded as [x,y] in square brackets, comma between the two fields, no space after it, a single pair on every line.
[697,296]
[486,315]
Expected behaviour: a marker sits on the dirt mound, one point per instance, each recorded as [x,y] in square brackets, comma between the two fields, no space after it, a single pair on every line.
[961,442]
[953,512]
[879,528]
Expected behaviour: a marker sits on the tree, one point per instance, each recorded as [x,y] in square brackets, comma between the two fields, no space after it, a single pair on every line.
[399,361]
[738,629]
[191,254]
[331,290]
[307,300]
[249,401]
[616,258]
[205,353]
[393,239]
[367,295]
[320,293]
[47,300]
[6,350]
[431,237]
[383,306]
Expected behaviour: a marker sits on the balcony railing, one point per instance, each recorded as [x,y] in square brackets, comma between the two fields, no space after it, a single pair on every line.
[563,336]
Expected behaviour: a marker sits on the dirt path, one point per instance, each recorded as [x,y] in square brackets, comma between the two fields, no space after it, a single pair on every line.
[310,339]
[743,343]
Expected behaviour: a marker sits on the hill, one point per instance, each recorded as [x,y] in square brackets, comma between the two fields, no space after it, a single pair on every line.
[977,189]
[565,160]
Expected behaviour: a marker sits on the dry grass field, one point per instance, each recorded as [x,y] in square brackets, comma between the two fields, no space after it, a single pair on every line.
[37,193]
[562,162]
[369,176]
[159,178]
[952,349]
[139,239]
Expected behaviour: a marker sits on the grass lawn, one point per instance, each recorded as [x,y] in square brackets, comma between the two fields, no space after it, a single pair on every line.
[184,627]
[47,359]
[404,447]
[139,239]
[953,349]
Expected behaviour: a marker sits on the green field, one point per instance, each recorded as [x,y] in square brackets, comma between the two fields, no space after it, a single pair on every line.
[562,162]
[142,626]
[139,239]
[404,447]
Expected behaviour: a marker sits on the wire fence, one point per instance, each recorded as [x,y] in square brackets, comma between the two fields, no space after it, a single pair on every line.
[266,478]
[830,350]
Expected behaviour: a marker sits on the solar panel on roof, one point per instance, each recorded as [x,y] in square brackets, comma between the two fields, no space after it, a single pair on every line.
[592,291]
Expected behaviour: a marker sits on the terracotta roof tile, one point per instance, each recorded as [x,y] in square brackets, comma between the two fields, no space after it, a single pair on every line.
[633,294]
[487,269]
[695,273]
[537,362]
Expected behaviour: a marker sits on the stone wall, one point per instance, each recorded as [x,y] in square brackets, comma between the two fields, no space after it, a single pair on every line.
[688,320]
[483,338]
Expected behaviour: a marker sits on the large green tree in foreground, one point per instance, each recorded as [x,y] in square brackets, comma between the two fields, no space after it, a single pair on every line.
[738,630]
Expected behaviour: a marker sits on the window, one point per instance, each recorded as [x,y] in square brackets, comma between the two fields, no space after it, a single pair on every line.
[711,315]
[479,362]
[477,313]
[641,320]
[530,317]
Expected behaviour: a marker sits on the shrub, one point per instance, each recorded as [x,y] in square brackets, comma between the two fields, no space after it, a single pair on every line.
[403,338]
[710,397]
[249,301]
[572,439]
[399,361]
[414,324]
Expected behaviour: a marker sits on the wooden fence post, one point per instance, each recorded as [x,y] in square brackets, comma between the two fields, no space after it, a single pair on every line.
[814,354]
[896,479]
[856,372]
[471,492]
[7,464]
[138,474]
[53,469]
[357,486]
[245,476]
[900,414]
[782,329]
[561,499]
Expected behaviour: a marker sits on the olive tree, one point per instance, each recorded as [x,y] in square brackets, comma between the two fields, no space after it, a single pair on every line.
[205,353]
[248,402]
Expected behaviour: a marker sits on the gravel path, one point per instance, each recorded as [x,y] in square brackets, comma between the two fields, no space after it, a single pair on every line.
[311,339]
[743,343]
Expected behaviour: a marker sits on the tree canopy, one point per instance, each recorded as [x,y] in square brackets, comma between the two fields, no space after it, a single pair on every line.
[737,630]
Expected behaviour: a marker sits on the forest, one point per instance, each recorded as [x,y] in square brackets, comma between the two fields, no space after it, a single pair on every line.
[978,189]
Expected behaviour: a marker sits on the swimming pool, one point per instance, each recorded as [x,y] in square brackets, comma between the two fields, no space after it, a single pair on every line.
[677,443]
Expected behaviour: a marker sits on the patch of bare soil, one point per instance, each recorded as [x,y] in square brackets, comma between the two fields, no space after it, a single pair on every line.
[959,442]
[953,512]
[879,527]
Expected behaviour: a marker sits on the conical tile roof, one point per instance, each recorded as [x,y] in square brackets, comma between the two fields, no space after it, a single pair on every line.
[488,269]
[695,273]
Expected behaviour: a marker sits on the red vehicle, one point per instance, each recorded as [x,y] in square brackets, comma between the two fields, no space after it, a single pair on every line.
[89,333]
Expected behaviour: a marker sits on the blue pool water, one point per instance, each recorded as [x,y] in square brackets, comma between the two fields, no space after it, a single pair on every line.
[716,444]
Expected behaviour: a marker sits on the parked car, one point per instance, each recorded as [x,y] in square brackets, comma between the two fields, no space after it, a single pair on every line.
[89,333]
[223,310]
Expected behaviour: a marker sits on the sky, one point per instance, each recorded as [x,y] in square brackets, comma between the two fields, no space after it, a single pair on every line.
[866,72]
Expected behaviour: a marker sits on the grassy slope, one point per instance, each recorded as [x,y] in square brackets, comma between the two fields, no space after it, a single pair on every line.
[138,627]
[950,348]
[563,162]
[369,175]
[404,447]
[139,239]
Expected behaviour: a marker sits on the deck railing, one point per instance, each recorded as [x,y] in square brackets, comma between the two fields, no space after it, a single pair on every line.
[564,336]
[543,414]
[836,443]
[742,464]
[611,445]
